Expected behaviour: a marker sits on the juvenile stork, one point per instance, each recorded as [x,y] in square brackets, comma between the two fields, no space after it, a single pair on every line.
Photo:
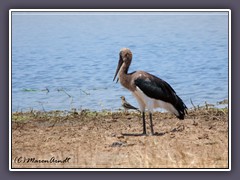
[149,90]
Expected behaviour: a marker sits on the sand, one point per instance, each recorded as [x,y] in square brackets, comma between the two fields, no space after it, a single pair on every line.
[89,139]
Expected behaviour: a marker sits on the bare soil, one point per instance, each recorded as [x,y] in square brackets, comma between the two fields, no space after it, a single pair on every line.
[95,140]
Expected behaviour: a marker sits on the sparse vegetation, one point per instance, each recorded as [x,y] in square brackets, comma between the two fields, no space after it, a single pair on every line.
[94,139]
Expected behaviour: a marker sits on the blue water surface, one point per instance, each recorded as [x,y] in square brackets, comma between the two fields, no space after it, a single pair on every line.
[65,60]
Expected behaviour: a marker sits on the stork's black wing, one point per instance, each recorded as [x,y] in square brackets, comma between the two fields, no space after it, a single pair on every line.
[157,88]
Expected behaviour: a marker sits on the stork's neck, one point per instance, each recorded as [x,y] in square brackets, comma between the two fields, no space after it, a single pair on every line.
[124,77]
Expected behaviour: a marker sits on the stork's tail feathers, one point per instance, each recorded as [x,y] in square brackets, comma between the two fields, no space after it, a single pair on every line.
[181,108]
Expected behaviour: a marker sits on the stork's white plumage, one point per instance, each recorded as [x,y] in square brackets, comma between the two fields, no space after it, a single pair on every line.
[146,102]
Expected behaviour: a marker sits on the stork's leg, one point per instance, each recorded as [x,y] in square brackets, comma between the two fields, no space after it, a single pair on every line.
[151,124]
[144,123]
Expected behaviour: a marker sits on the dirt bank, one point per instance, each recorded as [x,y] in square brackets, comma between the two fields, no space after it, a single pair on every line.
[94,140]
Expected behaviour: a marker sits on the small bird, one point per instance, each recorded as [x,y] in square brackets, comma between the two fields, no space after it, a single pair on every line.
[127,106]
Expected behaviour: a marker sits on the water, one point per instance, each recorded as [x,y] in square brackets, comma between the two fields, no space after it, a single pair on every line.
[65,60]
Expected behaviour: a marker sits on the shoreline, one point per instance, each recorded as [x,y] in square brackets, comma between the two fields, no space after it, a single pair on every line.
[95,139]
[218,104]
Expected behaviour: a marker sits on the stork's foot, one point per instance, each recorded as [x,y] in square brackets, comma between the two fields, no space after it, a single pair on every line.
[140,134]
[145,134]
[152,132]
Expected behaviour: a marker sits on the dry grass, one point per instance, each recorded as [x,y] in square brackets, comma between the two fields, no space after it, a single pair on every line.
[95,140]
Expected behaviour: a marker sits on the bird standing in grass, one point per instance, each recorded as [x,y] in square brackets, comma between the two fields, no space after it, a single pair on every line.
[127,106]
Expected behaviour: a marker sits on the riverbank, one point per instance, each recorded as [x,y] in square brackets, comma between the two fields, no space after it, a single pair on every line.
[89,139]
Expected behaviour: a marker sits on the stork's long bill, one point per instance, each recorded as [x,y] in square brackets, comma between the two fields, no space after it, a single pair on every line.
[120,62]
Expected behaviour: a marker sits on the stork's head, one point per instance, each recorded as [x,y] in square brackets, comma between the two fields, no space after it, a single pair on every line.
[125,57]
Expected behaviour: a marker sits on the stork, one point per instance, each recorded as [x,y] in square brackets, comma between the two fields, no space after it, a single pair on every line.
[150,91]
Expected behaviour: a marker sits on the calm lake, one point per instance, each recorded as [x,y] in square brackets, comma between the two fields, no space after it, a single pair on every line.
[65,60]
